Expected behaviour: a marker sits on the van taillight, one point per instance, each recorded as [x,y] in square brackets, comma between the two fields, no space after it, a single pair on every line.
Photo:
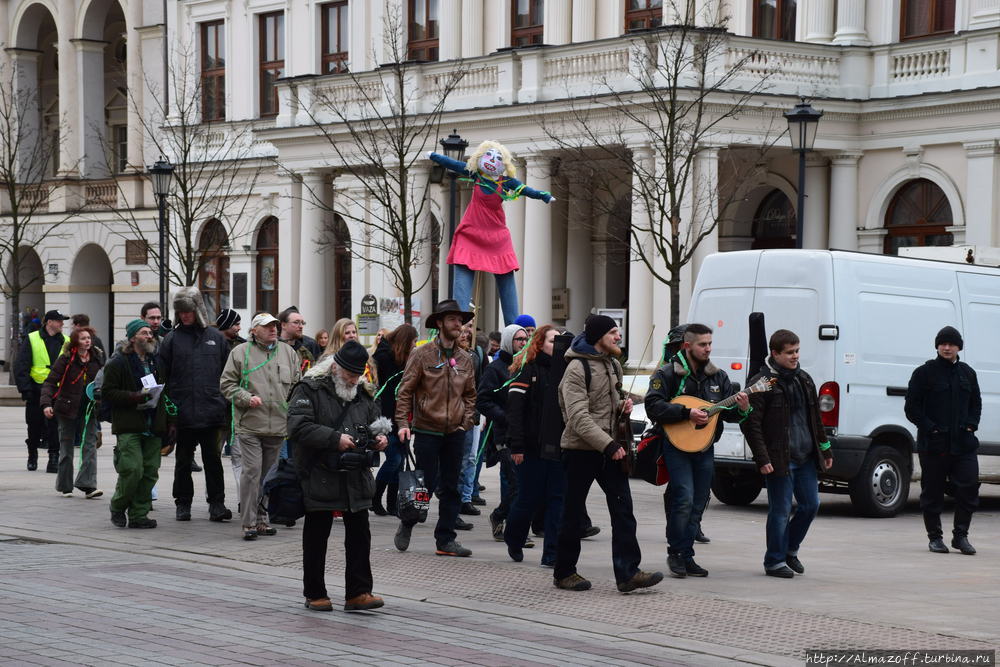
[829,403]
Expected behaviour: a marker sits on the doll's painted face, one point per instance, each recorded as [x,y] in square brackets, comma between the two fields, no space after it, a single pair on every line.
[491,164]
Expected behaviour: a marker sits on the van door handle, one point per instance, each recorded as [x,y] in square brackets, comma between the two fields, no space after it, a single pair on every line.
[895,391]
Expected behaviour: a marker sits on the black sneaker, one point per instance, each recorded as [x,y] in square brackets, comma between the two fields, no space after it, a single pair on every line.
[142,523]
[701,538]
[184,512]
[783,572]
[195,467]
[496,525]
[795,564]
[469,509]
[53,465]
[590,532]
[573,582]
[677,567]
[402,538]
[515,554]
[219,512]
[118,518]
[32,460]
[640,580]
[693,569]
[453,548]
[461,524]
[478,501]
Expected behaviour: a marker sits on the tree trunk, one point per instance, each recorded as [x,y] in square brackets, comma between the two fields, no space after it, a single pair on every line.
[14,342]
[675,298]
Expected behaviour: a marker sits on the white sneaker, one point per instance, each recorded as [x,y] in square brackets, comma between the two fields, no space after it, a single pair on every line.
[68,494]
[96,493]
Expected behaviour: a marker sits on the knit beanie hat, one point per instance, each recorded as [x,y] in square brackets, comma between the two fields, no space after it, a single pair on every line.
[507,337]
[596,326]
[227,319]
[525,321]
[133,327]
[949,335]
[352,357]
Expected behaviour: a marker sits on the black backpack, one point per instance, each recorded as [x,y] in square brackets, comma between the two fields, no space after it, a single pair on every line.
[283,490]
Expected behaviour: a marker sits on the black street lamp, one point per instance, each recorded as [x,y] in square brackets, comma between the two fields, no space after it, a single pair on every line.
[161,173]
[454,147]
[803,121]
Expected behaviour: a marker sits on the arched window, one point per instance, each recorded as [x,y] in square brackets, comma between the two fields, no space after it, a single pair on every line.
[213,274]
[774,222]
[267,266]
[342,267]
[924,18]
[918,215]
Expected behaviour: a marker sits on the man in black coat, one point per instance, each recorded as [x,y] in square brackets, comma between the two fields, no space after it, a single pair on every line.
[191,358]
[325,411]
[944,403]
[690,372]
[38,351]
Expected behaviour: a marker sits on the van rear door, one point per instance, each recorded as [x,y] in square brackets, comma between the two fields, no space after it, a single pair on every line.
[981,315]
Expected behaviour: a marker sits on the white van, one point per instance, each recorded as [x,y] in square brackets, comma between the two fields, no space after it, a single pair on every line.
[866,322]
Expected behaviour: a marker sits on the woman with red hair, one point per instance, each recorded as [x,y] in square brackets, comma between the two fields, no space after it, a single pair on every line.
[64,398]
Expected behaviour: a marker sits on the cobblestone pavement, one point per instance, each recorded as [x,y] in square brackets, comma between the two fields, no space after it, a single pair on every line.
[77,590]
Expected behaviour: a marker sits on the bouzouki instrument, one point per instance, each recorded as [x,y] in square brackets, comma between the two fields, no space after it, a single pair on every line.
[689,438]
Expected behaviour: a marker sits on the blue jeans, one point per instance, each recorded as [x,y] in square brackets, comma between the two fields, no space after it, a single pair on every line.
[461,291]
[541,483]
[389,472]
[784,534]
[690,484]
[470,454]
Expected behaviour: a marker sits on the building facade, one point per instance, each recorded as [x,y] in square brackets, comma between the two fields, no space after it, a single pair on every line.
[906,151]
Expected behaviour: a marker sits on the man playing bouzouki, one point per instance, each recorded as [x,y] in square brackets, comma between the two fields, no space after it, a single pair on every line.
[689,372]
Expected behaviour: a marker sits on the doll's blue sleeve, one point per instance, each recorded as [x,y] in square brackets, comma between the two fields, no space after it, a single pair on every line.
[448,163]
[515,185]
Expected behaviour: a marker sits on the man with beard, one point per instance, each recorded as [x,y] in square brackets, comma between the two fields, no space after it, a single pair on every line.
[292,332]
[138,428]
[438,391]
[228,323]
[191,359]
[689,372]
[325,416]
[590,398]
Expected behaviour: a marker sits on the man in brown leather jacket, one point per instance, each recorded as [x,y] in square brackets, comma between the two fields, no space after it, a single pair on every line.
[437,397]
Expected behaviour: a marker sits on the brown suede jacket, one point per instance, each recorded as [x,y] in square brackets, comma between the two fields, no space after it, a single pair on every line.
[434,395]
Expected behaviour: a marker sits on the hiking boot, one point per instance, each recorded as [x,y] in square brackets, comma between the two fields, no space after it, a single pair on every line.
[937,546]
[962,544]
[219,512]
[461,524]
[469,509]
[590,532]
[183,511]
[497,527]
[364,602]
[477,500]
[795,564]
[676,567]
[783,572]
[693,569]
[573,582]
[453,548]
[402,539]
[33,459]
[319,604]
[640,580]
[142,523]
[118,518]
[53,465]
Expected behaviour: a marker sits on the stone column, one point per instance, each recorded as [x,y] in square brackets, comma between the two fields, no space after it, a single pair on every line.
[579,255]
[819,21]
[982,213]
[450,40]
[844,222]
[423,263]
[312,303]
[473,25]
[537,259]
[288,202]
[706,204]
[817,206]
[71,148]
[851,23]
[584,20]
[515,223]
[89,109]
[640,298]
[558,17]
[134,77]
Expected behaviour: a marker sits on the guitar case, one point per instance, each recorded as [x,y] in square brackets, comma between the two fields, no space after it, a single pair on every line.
[758,345]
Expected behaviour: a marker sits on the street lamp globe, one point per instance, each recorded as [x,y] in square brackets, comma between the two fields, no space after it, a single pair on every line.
[454,146]
[803,121]
[161,172]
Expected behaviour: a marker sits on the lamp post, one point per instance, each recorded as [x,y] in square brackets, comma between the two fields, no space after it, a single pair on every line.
[454,147]
[803,121]
[161,173]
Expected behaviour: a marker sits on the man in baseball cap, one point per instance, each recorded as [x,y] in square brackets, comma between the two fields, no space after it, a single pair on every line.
[37,352]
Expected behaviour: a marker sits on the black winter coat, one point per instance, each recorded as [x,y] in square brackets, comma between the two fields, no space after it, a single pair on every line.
[944,403]
[534,420]
[64,389]
[710,383]
[191,360]
[390,375]
[313,409]
[491,400]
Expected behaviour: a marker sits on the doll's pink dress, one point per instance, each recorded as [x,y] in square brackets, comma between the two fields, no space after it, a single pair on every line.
[482,240]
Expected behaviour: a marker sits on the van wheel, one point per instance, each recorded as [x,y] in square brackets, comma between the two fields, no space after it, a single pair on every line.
[882,485]
[736,487]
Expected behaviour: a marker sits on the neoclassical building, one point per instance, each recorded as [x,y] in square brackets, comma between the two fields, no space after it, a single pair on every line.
[906,151]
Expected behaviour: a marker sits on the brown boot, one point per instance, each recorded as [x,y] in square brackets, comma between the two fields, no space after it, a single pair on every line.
[363,602]
[319,604]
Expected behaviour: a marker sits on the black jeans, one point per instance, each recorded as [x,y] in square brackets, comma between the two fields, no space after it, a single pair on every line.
[583,469]
[541,483]
[357,547]
[42,432]
[440,457]
[509,484]
[936,470]
[215,486]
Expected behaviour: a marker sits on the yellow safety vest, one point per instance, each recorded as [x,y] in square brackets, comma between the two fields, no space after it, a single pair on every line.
[40,361]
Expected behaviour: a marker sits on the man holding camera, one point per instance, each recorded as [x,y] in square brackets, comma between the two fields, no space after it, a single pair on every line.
[331,429]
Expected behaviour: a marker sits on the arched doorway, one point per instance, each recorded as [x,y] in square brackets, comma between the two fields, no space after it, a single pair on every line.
[35,65]
[213,271]
[774,222]
[267,267]
[341,268]
[104,108]
[91,278]
[918,215]
[31,301]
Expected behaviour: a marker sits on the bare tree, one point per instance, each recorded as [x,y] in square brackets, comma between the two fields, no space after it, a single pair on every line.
[217,165]
[642,133]
[26,153]
[378,125]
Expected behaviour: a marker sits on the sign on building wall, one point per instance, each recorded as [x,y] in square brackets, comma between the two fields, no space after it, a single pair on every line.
[560,303]
[368,318]
[239,291]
